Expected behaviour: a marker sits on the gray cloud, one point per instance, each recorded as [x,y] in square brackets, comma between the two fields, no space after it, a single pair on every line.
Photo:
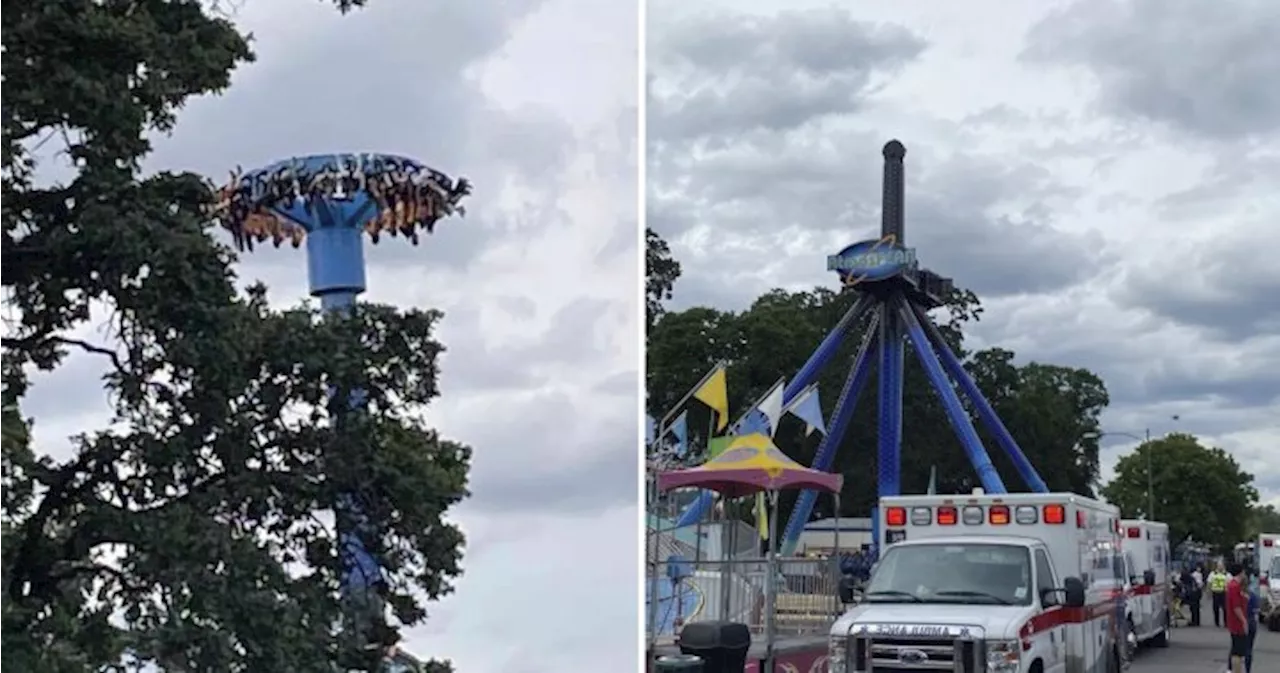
[824,61]
[1197,66]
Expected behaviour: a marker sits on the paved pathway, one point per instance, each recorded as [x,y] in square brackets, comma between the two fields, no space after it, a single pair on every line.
[1204,650]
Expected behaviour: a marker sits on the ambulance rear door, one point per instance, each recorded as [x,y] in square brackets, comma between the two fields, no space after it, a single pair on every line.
[1269,557]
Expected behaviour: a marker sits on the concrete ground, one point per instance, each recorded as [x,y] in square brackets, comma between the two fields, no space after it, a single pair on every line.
[1203,649]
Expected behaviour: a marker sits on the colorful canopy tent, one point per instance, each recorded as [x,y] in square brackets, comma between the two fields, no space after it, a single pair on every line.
[751,464]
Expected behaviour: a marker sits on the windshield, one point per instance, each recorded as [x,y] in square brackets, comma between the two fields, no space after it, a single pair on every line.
[983,574]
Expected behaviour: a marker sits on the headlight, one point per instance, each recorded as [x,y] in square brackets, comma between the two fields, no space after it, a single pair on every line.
[1003,656]
[837,652]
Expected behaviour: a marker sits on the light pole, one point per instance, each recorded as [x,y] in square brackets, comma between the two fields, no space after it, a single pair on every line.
[1145,438]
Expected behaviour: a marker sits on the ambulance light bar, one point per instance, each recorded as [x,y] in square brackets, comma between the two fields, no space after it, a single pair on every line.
[976,515]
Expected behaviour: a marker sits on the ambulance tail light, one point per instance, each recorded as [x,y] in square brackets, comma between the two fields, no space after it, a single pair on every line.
[1133,533]
[947,516]
[1026,515]
[895,516]
[998,515]
[1055,514]
[921,516]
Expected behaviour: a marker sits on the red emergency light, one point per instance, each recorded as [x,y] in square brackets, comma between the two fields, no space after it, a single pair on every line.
[1055,514]
[895,516]
[1081,520]
[947,516]
[998,515]
[1134,533]
[1268,542]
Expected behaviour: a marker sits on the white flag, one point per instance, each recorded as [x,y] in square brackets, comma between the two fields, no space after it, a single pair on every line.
[771,406]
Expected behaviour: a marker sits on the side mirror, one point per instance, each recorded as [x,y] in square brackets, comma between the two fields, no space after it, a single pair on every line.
[1073,592]
[1149,578]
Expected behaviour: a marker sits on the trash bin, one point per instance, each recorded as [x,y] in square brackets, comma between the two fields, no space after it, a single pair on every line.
[678,663]
[722,646]
[848,590]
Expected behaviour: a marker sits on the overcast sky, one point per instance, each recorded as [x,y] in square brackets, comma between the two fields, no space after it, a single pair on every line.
[1106,175]
[535,102]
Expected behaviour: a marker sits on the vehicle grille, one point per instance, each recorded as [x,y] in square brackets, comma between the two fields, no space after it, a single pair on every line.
[910,655]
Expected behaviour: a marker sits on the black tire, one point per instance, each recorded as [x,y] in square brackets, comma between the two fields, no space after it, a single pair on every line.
[1162,639]
[1273,623]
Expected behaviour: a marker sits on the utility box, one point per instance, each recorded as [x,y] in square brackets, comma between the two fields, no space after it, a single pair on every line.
[722,646]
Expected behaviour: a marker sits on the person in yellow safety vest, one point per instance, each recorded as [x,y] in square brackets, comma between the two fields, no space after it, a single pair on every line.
[1218,589]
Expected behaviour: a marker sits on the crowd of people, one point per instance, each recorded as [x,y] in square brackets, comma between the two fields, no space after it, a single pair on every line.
[1236,599]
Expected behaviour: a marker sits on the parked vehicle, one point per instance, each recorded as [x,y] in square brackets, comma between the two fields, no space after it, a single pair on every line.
[1008,583]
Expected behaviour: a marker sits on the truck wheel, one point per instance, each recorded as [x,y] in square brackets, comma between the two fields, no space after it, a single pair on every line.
[1273,623]
[1162,639]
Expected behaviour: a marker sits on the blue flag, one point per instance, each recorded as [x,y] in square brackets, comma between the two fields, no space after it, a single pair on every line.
[755,421]
[680,430]
[808,408]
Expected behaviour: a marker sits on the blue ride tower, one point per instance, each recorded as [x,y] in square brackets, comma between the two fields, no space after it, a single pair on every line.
[894,295]
[331,202]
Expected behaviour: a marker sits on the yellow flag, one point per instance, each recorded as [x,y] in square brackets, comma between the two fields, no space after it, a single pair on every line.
[762,516]
[715,394]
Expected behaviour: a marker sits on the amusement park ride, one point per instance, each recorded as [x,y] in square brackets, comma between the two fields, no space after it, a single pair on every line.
[897,294]
[330,201]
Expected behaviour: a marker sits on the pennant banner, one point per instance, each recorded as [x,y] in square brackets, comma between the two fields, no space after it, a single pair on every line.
[771,406]
[680,430]
[714,392]
[808,408]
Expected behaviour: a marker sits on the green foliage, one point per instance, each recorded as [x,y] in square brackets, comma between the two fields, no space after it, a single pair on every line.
[1050,410]
[661,272]
[1179,466]
[187,534]
[1263,519]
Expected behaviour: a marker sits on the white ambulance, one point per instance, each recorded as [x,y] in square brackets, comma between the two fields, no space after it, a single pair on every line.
[1146,563]
[1267,551]
[1012,583]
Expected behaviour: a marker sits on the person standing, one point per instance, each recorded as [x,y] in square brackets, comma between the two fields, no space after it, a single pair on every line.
[1251,611]
[1236,604]
[1192,593]
[1218,580]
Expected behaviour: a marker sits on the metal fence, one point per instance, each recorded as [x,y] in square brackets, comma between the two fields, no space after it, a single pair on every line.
[806,595]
